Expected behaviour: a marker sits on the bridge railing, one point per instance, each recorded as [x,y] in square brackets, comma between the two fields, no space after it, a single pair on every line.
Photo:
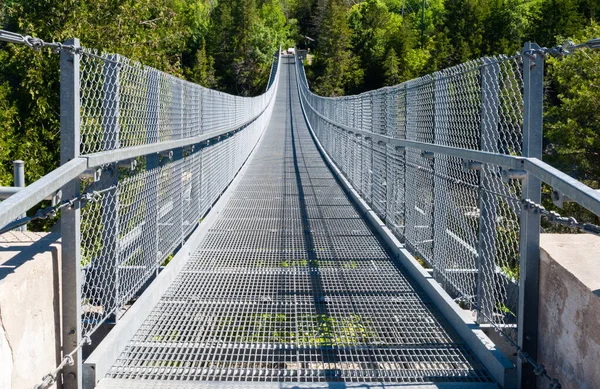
[451,162]
[144,156]
[144,206]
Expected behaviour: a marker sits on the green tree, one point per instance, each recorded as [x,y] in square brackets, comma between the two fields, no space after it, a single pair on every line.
[391,70]
[368,21]
[338,67]
[572,122]
[8,124]
[465,26]
[151,32]
[504,27]
[243,39]
[202,71]
[552,18]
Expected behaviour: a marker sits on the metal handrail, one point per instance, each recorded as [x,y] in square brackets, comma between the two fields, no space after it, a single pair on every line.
[568,186]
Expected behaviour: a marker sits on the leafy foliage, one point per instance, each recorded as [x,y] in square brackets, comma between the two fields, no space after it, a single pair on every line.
[573,113]
[572,121]
[444,33]
[339,67]
[398,40]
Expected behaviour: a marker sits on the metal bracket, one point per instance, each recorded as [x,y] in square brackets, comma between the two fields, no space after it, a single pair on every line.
[427,154]
[513,174]
[130,164]
[93,173]
[471,165]
[559,198]
[167,154]
[57,198]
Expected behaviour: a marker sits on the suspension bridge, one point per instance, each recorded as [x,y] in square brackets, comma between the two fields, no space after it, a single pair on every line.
[294,241]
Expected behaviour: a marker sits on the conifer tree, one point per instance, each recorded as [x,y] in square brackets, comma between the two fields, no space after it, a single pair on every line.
[391,68]
[340,68]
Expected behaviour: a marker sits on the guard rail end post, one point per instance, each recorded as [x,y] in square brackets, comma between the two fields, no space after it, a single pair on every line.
[19,182]
[70,217]
[529,241]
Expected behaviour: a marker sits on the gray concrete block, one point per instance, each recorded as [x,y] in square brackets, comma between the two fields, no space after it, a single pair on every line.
[29,307]
[569,309]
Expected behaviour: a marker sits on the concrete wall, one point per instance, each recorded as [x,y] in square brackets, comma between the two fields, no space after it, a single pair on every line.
[29,308]
[569,309]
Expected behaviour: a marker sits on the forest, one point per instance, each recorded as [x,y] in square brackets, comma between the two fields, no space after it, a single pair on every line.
[356,46]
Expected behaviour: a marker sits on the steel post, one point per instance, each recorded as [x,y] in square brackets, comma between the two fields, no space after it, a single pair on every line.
[409,167]
[109,256]
[70,217]
[179,162]
[19,182]
[529,242]
[404,167]
[152,170]
[489,138]
[439,130]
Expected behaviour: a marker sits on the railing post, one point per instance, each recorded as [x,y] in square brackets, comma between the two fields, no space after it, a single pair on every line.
[19,182]
[358,163]
[178,160]
[529,241]
[403,153]
[199,152]
[109,257]
[152,170]
[70,217]
[153,177]
[489,137]
[409,166]
[440,128]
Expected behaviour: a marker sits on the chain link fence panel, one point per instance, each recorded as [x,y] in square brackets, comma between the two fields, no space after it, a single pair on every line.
[154,202]
[460,222]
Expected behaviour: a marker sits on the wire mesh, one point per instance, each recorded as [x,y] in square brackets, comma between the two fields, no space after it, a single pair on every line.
[124,104]
[290,284]
[145,209]
[462,223]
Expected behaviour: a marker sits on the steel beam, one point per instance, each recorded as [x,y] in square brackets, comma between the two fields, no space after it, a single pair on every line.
[529,238]
[70,218]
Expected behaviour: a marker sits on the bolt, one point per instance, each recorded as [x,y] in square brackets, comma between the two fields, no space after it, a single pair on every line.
[71,376]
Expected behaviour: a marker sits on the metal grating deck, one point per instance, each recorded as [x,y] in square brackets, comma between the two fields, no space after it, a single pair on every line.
[291,285]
